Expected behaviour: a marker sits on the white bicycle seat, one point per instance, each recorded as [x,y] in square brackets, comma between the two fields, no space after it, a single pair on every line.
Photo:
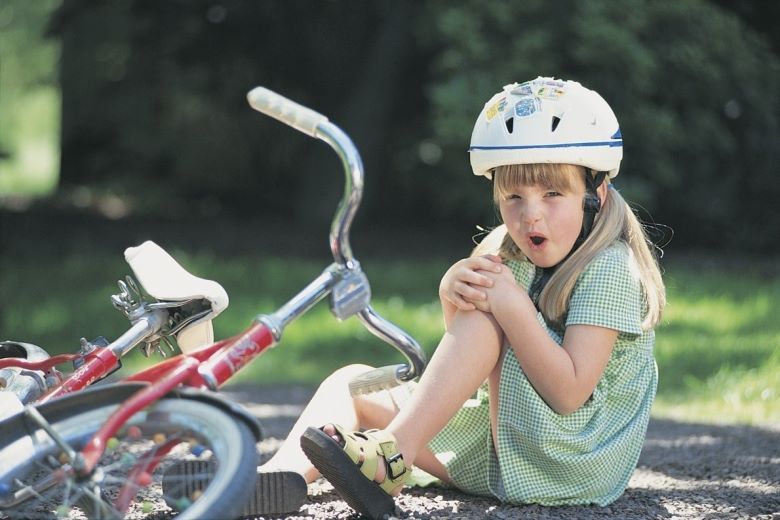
[164,279]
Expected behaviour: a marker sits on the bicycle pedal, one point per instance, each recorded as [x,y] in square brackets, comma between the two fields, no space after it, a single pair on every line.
[276,492]
[185,480]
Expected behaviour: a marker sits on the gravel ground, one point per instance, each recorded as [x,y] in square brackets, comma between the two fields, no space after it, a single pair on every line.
[685,471]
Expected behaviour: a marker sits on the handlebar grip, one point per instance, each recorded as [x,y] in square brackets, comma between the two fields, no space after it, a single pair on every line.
[289,112]
[377,379]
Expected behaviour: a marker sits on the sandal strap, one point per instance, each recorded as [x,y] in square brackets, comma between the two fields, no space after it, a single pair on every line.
[373,444]
[387,448]
[356,444]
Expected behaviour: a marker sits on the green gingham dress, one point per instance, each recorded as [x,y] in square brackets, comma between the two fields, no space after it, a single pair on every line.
[588,456]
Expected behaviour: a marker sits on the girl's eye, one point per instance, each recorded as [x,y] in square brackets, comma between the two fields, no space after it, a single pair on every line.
[552,194]
[514,196]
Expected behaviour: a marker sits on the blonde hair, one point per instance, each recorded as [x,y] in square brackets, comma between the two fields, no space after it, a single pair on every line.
[614,223]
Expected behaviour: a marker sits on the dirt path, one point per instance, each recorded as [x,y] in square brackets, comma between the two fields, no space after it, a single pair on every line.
[686,471]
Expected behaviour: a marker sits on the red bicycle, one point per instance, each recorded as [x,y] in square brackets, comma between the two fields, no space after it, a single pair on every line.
[68,449]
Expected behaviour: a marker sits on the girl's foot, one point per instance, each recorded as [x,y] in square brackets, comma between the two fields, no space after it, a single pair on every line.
[381,469]
[365,468]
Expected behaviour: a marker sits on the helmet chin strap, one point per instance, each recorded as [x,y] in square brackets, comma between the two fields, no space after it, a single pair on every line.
[591,205]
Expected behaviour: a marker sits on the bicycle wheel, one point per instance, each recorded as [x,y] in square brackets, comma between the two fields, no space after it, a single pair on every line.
[37,481]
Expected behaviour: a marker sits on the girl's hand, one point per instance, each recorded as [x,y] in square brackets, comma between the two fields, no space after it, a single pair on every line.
[463,284]
[503,287]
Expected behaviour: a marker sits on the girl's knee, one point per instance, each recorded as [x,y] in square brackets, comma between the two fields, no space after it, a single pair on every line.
[343,375]
[481,331]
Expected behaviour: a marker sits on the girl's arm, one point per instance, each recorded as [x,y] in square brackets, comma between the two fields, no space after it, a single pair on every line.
[564,377]
[455,291]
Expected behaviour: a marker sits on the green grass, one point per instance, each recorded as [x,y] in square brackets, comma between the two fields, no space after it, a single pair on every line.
[717,349]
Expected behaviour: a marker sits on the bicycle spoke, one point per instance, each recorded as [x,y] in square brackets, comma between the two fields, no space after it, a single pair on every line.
[99,505]
[41,421]
[140,474]
[26,493]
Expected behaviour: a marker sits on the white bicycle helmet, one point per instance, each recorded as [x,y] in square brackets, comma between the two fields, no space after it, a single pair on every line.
[546,121]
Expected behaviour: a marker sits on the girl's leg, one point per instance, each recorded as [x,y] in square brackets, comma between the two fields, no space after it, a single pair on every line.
[333,403]
[467,355]
[377,410]
[330,403]
[493,385]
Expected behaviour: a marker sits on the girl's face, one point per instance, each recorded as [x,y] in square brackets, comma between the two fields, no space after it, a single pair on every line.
[544,221]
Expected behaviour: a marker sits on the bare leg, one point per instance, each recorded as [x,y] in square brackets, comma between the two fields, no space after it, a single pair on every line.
[377,410]
[467,355]
[330,403]
[493,385]
[333,403]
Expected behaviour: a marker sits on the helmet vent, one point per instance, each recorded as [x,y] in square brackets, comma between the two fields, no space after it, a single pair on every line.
[555,121]
[510,124]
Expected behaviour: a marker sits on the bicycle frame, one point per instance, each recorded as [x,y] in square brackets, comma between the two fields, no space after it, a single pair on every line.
[213,365]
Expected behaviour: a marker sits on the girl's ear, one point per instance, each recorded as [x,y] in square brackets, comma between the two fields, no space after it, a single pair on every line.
[602,192]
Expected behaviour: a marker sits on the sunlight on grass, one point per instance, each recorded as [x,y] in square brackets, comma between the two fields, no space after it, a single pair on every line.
[717,349]
[743,395]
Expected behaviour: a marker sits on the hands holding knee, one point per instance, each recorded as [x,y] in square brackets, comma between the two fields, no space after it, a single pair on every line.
[470,283]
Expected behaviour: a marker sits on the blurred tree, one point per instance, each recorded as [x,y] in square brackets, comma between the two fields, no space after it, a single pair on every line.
[694,88]
[153,103]
[762,15]
[154,96]
[29,101]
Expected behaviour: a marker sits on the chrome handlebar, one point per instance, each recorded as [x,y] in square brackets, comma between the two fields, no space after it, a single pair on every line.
[344,280]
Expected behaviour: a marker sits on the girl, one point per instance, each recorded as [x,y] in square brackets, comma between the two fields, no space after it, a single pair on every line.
[550,322]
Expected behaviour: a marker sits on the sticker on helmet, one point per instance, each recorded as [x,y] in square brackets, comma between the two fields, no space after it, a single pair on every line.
[555,83]
[493,110]
[526,107]
[524,89]
[550,91]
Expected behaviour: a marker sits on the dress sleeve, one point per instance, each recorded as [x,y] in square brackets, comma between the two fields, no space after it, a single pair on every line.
[608,293]
[523,272]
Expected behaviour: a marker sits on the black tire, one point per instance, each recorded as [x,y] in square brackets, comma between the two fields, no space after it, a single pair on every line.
[200,431]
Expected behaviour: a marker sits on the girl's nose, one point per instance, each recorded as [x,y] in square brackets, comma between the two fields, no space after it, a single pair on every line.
[531,212]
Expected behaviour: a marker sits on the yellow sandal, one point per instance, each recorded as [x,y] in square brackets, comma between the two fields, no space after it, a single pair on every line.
[352,478]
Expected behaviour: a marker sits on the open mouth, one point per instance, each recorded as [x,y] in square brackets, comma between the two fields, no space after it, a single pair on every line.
[537,240]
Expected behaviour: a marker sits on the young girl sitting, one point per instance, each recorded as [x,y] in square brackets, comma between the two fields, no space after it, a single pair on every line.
[550,322]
